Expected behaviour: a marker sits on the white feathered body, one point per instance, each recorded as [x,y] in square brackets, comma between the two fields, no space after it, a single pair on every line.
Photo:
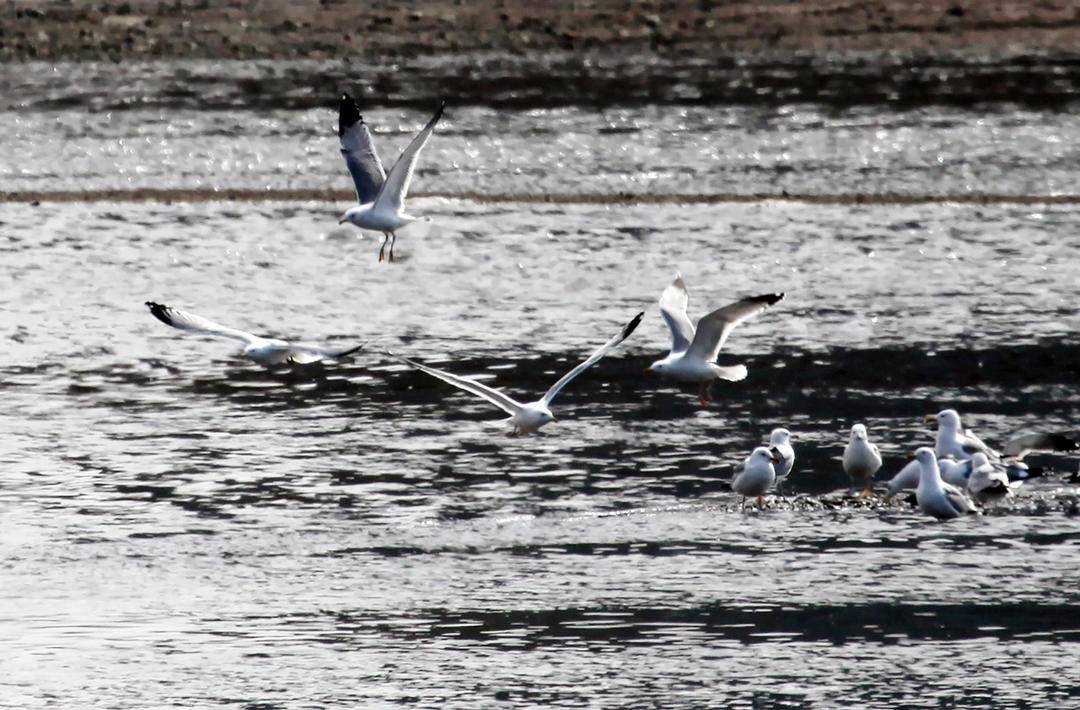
[757,476]
[377,220]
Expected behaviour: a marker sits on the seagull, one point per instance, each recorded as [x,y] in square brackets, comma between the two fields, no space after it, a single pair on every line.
[693,352]
[758,474]
[906,479]
[1021,445]
[952,440]
[935,497]
[381,196]
[988,482]
[526,418]
[267,351]
[955,473]
[780,441]
[861,459]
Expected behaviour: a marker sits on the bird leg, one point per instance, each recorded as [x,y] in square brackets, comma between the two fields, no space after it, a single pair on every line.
[867,491]
[393,238]
[382,249]
[703,394]
[760,502]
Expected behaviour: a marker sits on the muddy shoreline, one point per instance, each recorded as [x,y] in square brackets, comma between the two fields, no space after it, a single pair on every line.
[514,54]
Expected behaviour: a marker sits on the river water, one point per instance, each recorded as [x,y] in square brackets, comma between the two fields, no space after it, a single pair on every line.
[185,529]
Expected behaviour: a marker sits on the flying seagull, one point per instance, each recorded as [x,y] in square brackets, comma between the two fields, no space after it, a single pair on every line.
[693,351]
[526,417]
[381,196]
[268,351]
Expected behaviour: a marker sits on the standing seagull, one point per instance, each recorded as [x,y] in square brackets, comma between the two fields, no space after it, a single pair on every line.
[935,497]
[758,474]
[861,459]
[693,351]
[381,196]
[987,482]
[780,442]
[268,351]
[526,418]
[952,440]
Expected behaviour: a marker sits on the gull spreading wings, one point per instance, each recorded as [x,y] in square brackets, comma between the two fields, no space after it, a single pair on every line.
[380,195]
[526,417]
[694,349]
[269,351]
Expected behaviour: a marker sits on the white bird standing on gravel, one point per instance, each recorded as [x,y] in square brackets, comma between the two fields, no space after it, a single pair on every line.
[526,418]
[861,459]
[757,475]
[381,196]
[694,350]
[267,351]
[934,496]
[987,481]
[780,442]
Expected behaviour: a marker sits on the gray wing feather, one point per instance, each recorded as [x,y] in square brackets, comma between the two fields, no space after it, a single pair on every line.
[714,328]
[597,354]
[1020,446]
[393,192]
[492,395]
[358,149]
[673,302]
[196,324]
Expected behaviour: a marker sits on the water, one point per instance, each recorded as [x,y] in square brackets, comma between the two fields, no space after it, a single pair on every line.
[182,528]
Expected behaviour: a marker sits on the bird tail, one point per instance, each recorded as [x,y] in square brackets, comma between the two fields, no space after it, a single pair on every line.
[733,373]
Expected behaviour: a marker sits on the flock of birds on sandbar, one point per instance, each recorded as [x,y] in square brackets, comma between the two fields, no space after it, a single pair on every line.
[950,479]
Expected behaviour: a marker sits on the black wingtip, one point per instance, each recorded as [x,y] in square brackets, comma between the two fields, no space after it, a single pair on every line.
[160,312]
[348,114]
[632,325]
[1061,442]
[770,299]
[350,351]
[438,113]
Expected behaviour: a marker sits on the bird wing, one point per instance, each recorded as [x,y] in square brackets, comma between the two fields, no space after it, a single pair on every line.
[1020,446]
[714,328]
[500,400]
[303,353]
[957,499]
[673,303]
[196,324]
[597,354]
[392,195]
[358,149]
[971,444]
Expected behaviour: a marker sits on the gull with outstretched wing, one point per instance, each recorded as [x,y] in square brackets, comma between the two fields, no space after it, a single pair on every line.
[694,350]
[526,417]
[380,195]
[267,351]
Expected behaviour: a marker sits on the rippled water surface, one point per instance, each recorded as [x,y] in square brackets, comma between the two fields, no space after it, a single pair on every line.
[182,528]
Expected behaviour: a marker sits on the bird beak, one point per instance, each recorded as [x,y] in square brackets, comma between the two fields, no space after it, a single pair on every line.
[648,370]
[930,418]
[553,419]
[911,457]
[341,221]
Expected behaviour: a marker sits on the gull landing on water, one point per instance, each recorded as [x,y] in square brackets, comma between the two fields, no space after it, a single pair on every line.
[527,417]
[381,195]
[694,350]
[267,351]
